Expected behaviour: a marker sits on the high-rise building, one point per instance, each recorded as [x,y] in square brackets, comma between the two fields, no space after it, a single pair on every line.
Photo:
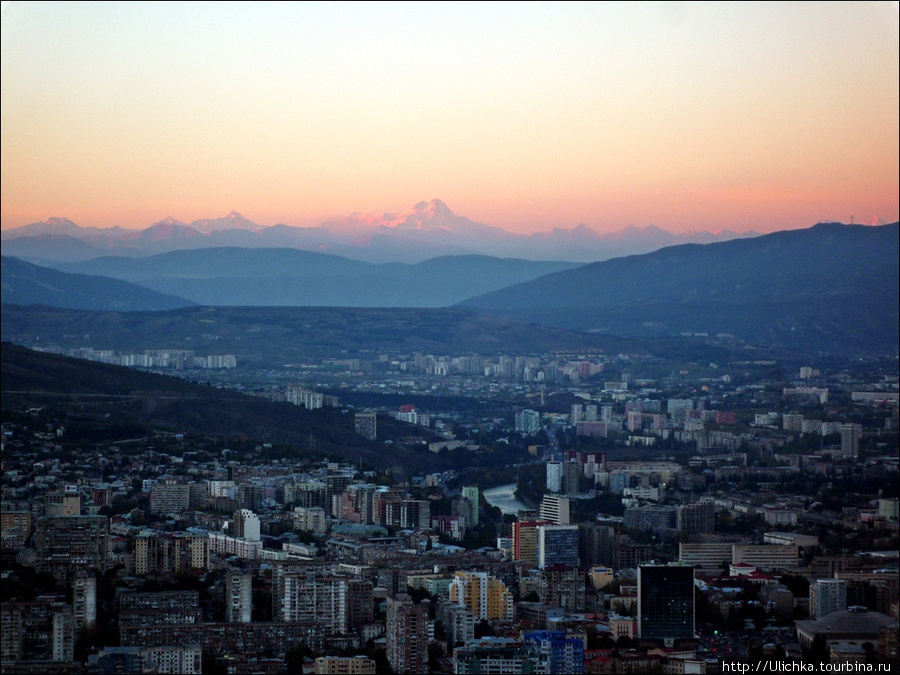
[84,602]
[649,518]
[366,424]
[170,552]
[310,594]
[555,476]
[555,508]
[64,503]
[238,596]
[170,497]
[577,413]
[471,493]
[66,544]
[358,503]
[563,587]
[827,596]
[557,545]
[360,603]
[697,517]
[710,557]
[665,601]
[525,537]
[246,525]
[406,633]
[485,596]
[15,528]
[571,478]
[792,422]
[310,519]
[458,622]
[528,422]
[249,496]
[63,636]
[850,435]
[555,652]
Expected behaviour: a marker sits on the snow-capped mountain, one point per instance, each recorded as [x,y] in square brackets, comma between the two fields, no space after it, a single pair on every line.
[427,230]
[230,221]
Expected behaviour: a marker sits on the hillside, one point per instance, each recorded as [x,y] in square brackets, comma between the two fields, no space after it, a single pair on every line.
[273,336]
[232,276]
[27,284]
[830,288]
[97,396]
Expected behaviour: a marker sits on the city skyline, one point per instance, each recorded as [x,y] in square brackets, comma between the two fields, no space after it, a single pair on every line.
[742,117]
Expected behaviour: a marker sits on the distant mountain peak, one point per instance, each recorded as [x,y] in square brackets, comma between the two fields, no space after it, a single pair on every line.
[230,221]
[168,220]
[434,209]
[433,215]
[60,222]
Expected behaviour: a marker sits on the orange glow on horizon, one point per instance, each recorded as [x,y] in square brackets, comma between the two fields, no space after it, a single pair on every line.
[757,117]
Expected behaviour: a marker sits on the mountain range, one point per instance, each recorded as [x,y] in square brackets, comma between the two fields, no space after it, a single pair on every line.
[830,288]
[427,230]
[27,284]
[290,277]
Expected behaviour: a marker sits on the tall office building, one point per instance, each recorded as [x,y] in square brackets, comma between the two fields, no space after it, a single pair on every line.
[557,545]
[406,633]
[665,601]
[525,536]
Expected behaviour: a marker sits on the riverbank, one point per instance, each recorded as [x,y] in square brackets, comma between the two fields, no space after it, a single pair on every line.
[505,498]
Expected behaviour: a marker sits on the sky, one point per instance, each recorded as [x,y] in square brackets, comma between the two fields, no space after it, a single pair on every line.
[688,116]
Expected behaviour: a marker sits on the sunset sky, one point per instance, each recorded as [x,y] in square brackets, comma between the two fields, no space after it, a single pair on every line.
[760,116]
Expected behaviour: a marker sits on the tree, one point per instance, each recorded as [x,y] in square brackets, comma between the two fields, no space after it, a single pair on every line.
[483,629]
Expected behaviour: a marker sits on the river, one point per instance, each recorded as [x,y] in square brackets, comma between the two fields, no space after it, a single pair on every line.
[504,498]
